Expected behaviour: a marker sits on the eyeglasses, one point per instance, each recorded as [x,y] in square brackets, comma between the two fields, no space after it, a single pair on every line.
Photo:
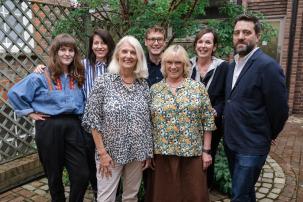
[153,40]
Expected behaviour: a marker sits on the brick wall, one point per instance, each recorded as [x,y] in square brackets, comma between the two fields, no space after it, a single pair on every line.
[298,82]
[268,7]
[295,90]
[283,9]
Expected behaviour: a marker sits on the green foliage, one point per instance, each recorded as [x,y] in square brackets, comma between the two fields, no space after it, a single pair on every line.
[133,17]
[74,24]
[224,27]
[222,176]
[65,178]
[141,192]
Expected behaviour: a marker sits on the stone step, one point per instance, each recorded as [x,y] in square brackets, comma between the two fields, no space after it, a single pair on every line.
[20,171]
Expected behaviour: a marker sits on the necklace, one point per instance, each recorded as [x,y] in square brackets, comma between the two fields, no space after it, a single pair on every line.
[126,81]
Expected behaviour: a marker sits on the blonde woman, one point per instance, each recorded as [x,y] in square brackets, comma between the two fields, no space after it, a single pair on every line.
[182,120]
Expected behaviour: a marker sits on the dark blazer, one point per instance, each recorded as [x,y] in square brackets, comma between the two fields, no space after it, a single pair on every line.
[256,108]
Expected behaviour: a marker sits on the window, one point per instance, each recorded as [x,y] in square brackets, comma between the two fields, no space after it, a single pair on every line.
[274,46]
[15,28]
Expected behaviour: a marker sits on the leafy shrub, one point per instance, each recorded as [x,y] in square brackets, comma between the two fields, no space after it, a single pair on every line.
[222,175]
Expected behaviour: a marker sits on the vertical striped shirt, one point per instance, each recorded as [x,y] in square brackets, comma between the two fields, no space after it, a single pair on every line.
[91,74]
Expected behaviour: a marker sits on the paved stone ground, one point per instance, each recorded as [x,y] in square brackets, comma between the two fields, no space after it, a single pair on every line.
[269,186]
[281,179]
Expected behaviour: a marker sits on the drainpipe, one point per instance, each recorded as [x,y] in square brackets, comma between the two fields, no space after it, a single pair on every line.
[291,42]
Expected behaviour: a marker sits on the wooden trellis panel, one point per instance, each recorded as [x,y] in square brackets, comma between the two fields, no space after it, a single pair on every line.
[25,35]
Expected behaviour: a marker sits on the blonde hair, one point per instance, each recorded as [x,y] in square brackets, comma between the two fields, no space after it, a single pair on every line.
[141,70]
[174,51]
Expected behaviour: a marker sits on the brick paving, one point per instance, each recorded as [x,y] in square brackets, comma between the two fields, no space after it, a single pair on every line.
[281,179]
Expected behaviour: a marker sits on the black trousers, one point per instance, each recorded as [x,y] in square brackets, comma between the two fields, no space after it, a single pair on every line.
[91,151]
[60,143]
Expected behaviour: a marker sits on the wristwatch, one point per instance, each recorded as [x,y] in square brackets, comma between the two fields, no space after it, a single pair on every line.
[207,151]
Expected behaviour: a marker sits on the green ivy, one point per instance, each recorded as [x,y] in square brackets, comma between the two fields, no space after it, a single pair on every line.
[222,176]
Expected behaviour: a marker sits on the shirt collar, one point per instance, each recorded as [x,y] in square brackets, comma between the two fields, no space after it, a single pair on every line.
[238,60]
[182,85]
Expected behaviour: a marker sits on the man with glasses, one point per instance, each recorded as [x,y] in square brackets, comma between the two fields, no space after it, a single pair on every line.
[155,42]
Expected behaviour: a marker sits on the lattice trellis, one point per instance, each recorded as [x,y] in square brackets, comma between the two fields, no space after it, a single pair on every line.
[25,34]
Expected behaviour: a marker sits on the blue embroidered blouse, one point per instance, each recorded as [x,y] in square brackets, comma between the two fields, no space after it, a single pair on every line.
[32,94]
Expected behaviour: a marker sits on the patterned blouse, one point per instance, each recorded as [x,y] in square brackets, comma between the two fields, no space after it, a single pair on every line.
[179,120]
[121,114]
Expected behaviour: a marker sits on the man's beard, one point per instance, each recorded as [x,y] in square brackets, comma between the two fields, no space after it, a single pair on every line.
[245,50]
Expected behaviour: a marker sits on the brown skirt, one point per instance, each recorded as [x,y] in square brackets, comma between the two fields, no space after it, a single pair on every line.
[176,179]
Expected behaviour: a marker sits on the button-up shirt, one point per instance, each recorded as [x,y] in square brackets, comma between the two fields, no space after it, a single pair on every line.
[32,94]
[91,73]
[179,121]
[240,63]
[121,114]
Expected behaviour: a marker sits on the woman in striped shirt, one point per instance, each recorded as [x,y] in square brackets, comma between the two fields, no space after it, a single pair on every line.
[101,47]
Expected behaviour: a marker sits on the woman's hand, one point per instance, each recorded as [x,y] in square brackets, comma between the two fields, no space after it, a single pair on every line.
[39,69]
[215,113]
[146,164]
[106,162]
[207,160]
[38,116]
[149,163]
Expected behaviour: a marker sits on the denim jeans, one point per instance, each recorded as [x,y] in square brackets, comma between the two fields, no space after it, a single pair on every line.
[245,170]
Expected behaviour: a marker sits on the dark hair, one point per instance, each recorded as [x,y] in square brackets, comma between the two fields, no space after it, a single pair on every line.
[205,31]
[155,28]
[107,39]
[248,18]
[75,69]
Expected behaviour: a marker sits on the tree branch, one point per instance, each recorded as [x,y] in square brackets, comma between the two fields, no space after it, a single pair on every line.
[174,4]
[190,12]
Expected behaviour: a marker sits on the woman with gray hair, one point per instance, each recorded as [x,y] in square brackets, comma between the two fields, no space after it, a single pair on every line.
[182,121]
[118,115]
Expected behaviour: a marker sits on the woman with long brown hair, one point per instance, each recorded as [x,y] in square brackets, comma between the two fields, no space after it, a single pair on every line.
[55,101]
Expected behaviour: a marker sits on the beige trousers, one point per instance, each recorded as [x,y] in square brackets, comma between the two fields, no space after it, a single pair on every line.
[131,174]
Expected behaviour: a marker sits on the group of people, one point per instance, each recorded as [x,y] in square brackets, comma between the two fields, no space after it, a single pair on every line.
[122,114]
